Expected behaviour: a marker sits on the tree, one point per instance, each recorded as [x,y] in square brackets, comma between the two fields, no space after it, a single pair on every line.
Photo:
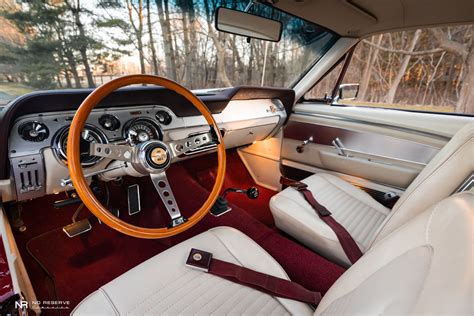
[390,96]
[170,56]
[137,27]
[81,41]
[465,102]
[154,58]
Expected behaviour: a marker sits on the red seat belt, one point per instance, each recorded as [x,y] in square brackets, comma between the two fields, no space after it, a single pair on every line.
[348,243]
[203,260]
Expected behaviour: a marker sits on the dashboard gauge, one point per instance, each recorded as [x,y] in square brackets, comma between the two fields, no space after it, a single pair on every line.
[109,122]
[90,134]
[140,130]
[163,117]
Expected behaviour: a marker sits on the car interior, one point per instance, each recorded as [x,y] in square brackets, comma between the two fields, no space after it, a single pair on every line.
[146,195]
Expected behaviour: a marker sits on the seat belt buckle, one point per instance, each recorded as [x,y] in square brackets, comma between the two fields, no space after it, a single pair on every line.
[199,259]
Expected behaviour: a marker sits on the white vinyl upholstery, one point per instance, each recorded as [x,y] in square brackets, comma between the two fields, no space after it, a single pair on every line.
[453,164]
[365,219]
[354,209]
[164,285]
[423,268]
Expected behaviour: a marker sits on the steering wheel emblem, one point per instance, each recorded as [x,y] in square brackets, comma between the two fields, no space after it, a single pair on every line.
[159,156]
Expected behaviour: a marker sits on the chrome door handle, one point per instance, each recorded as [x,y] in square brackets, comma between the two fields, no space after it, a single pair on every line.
[300,148]
[339,147]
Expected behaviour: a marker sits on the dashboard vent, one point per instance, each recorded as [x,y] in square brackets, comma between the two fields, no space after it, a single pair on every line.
[33,131]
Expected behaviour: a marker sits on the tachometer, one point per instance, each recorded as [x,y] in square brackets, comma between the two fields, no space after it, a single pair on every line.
[141,130]
[90,134]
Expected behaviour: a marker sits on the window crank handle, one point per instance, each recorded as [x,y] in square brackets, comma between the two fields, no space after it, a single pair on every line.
[300,148]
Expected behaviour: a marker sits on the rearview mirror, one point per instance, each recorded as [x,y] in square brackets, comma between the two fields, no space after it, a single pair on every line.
[247,24]
[348,91]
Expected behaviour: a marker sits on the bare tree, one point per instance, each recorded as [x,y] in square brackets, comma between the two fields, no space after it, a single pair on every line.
[154,58]
[137,29]
[390,96]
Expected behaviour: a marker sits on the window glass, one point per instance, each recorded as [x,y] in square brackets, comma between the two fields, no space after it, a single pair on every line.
[323,89]
[424,70]
[78,44]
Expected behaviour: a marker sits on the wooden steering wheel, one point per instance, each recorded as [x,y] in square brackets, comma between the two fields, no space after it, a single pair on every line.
[149,158]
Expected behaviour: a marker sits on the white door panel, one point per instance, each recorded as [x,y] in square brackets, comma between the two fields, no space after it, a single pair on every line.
[383,146]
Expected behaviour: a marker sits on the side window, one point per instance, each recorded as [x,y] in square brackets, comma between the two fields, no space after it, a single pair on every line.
[425,70]
[323,89]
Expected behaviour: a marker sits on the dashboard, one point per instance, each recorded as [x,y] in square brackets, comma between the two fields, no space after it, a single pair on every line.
[37,141]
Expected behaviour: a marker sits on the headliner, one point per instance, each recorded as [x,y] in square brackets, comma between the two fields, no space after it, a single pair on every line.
[359,18]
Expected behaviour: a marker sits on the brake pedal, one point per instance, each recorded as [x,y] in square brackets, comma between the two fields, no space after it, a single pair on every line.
[77,228]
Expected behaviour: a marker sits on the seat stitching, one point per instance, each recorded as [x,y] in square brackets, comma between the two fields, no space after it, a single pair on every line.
[231,297]
[352,195]
[173,292]
[154,293]
[107,297]
[220,284]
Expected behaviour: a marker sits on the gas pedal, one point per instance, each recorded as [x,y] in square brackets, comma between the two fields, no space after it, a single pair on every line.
[77,228]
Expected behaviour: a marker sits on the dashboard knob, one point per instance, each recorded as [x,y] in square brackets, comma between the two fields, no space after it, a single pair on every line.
[109,122]
[163,117]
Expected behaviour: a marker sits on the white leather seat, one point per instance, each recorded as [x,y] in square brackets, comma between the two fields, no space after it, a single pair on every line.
[414,270]
[164,285]
[364,218]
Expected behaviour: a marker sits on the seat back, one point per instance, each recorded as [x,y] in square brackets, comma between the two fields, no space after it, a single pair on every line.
[424,267]
[439,179]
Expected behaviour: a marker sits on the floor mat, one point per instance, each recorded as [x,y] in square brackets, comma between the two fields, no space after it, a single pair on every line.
[80,265]
[203,170]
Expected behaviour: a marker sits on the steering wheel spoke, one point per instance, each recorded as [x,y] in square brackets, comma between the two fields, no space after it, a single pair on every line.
[116,152]
[166,194]
[190,144]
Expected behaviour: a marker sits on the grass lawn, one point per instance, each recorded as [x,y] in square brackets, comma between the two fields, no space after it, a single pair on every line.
[14,89]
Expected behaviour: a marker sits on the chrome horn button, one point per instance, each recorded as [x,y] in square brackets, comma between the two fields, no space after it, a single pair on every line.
[152,156]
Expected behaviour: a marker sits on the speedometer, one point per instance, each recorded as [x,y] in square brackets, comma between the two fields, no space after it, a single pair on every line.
[141,130]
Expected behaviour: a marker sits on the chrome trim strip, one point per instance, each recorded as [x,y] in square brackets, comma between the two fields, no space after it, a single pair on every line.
[398,128]
[467,185]
[379,156]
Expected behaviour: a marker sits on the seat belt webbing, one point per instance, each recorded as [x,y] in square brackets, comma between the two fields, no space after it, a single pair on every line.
[269,284]
[348,243]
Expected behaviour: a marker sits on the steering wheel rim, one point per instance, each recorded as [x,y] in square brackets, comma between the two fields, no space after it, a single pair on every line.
[81,185]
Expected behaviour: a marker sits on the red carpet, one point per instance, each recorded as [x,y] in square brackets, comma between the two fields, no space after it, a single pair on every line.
[82,264]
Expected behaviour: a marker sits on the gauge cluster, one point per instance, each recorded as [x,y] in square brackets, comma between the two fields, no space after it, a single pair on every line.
[37,147]
[130,125]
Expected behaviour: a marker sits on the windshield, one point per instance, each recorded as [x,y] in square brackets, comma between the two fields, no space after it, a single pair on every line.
[80,44]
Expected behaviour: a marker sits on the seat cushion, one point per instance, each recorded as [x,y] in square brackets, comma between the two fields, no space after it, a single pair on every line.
[165,285]
[353,208]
